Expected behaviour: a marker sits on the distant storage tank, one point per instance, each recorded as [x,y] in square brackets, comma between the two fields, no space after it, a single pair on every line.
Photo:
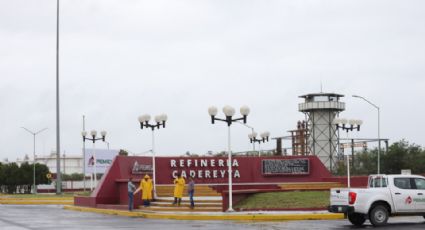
[320,110]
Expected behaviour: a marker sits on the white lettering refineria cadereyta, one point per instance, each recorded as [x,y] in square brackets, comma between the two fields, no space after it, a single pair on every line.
[209,168]
[182,163]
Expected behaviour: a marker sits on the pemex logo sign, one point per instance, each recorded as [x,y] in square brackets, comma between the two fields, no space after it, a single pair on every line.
[104,158]
[408,200]
[99,161]
[141,168]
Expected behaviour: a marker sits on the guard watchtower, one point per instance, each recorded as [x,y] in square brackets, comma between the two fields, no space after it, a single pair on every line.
[320,110]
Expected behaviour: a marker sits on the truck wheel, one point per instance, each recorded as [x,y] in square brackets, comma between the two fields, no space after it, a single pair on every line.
[378,216]
[356,219]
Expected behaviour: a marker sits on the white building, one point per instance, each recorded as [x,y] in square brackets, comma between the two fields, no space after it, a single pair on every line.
[74,163]
[69,163]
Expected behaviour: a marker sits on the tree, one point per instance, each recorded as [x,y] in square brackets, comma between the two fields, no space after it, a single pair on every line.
[1,178]
[400,155]
[77,176]
[340,168]
[27,175]
[41,171]
[365,162]
[72,177]
[12,177]
[123,152]
[20,179]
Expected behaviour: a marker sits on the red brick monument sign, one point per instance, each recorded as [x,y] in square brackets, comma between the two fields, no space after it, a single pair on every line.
[247,173]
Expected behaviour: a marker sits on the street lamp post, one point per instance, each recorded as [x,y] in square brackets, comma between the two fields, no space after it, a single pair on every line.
[93,133]
[347,125]
[58,149]
[144,123]
[107,144]
[34,134]
[379,130]
[229,112]
[84,155]
[252,132]
[264,138]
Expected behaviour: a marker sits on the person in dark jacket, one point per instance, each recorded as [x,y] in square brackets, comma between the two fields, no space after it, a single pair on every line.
[191,191]
[130,188]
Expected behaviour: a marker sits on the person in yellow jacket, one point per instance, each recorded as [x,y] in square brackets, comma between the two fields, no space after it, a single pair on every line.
[179,183]
[146,186]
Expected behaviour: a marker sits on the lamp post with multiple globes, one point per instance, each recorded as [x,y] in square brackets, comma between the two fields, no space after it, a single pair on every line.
[264,137]
[159,122]
[347,125]
[229,112]
[93,138]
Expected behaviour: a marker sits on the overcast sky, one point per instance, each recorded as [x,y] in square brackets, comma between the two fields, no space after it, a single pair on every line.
[122,58]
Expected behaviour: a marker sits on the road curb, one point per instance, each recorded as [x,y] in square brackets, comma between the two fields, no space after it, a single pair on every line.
[36,202]
[219,216]
[43,200]
[38,198]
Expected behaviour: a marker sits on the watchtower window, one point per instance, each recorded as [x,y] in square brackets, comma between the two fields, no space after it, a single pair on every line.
[331,98]
[321,98]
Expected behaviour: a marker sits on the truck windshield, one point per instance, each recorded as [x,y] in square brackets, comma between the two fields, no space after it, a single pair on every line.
[377,182]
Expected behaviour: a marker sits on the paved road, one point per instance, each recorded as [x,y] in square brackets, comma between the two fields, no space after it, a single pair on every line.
[35,217]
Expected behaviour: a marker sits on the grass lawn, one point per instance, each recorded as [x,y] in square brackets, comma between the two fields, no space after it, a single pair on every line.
[296,199]
[44,195]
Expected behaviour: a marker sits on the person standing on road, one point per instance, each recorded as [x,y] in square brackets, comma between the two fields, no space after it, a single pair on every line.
[130,187]
[146,187]
[191,190]
[179,183]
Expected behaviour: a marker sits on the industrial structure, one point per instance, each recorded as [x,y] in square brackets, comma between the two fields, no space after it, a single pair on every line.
[299,139]
[320,110]
[318,134]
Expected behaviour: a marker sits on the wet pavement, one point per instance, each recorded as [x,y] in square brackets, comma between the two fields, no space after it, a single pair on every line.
[32,217]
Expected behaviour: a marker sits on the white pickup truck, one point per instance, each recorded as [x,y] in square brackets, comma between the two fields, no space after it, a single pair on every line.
[386,195]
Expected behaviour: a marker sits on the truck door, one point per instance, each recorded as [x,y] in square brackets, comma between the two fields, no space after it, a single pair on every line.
[403,194]
[419,198]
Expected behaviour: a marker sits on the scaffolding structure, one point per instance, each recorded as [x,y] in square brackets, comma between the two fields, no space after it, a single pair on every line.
[299,139]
